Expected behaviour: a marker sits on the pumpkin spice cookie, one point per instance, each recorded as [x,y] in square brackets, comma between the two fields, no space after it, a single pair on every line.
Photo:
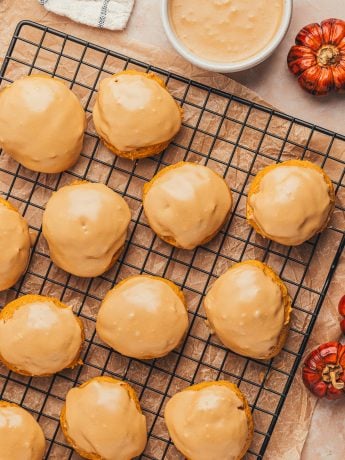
[135,115]
[102,420]
[186,204]
[290,202]
[39,336]
[14,245]
[248,307]
[143,317]
[85,225]
[42,123]
[210,421]
[21,437]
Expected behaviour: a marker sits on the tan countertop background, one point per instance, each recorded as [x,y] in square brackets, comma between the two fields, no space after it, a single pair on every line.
[145,39]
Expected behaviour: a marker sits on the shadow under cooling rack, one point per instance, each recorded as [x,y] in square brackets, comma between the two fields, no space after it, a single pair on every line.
[234,137]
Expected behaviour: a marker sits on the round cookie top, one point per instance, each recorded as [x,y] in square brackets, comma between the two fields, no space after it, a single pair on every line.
[39,336]
[21,437]
[210,421]
[85,225]
[14,245]
[102,419]
[290,202]
[134,110]
[248,307]
[186,204]
[143,317]
[41,123]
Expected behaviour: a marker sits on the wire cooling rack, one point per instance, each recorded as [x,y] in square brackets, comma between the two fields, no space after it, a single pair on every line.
[236,138]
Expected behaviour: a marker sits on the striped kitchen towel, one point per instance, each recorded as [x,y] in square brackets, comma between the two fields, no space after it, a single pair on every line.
[108,14]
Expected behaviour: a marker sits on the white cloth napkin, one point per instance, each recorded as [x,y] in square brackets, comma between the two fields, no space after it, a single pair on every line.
[108,14]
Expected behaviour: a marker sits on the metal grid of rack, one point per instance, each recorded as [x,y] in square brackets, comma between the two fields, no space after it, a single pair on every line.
[219,130]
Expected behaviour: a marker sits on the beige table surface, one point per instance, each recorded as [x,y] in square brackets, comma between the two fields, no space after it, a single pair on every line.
[272,81]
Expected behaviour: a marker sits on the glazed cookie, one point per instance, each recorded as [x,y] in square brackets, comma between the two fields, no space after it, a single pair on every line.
[290,202]
[135,115]
[143,317]
[186,204]
[85,225]
[248,307]
[102,420]
[39,336]
[42,123]
[14,245]
[21,437]
[210,421]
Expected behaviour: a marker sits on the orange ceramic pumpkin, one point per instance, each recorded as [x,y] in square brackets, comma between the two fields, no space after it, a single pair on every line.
[318,58]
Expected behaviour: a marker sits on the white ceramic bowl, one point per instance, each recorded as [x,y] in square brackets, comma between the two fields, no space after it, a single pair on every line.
[221,67]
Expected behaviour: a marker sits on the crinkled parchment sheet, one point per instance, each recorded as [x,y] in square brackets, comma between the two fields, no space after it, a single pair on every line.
[292,428]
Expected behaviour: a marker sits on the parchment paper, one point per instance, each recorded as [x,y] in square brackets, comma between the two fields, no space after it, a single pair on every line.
[292,428]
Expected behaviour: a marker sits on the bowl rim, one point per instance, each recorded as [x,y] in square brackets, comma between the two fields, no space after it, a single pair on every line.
[231,67]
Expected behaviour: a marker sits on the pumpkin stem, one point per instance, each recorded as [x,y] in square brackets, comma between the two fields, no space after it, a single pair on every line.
[331,374]
[328,55]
